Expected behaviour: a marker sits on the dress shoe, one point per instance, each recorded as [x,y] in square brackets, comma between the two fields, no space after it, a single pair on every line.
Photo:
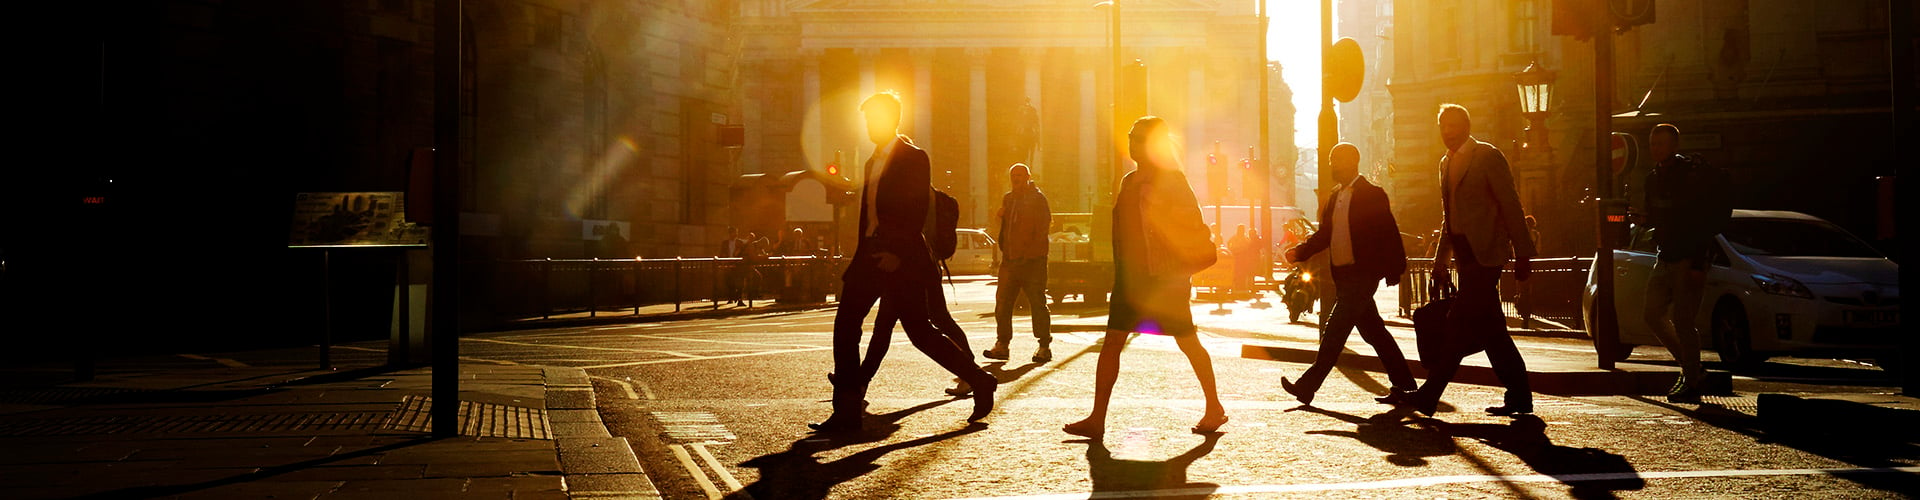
[1043,355]
[1394,397]
[1424,405]
[983,399]
[837,424]
[1305,397]
[960,390]
[1510,409]
[999,351]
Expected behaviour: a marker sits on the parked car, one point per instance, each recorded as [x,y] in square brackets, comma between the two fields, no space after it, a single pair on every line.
[1778,283]
[974,253]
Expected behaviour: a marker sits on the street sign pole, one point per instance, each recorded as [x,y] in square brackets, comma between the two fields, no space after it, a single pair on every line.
[1606,333]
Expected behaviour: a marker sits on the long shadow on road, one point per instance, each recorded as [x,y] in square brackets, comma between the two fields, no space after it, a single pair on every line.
[1600,473]
[1150,478]
[796,473]
[1840,431]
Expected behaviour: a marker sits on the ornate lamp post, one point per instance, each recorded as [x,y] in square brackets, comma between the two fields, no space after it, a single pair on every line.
[1535,86]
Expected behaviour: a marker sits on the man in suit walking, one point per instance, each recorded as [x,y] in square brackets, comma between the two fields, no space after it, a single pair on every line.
[1357,227]
[892,264]
[1482,227]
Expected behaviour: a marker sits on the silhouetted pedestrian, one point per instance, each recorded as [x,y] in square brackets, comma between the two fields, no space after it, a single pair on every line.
[1358,230]
[1024,218]
[893,264]
[1160,241]
[1483,226]
[1686,207]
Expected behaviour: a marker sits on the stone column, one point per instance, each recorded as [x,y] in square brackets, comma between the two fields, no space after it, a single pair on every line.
[1090,130]
[922,99]
[1033,56]
[810,97]
[865,146]
[977,133]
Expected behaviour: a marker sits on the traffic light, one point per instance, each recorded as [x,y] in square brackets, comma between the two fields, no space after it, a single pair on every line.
[833,169]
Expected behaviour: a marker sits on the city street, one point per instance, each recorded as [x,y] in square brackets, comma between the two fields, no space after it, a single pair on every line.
[718,406]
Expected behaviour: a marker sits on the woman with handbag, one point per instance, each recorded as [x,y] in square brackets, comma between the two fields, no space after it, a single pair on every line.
[1159,242]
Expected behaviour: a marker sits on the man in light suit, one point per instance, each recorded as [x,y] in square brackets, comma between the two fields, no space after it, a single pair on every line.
[1483,227]
[893,265]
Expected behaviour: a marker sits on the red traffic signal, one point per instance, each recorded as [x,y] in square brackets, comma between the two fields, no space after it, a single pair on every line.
[833,169]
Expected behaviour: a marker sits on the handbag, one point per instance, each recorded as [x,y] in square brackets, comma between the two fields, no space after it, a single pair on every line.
[1433,337]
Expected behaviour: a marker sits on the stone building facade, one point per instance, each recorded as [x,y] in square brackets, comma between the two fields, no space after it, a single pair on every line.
[1760,87]
[966,68]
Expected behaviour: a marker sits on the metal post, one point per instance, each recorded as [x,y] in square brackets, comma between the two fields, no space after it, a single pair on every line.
[1266,152]
[446,216]
[1329,120]
[677,296]
[1119,123]
[1900,34]
[593,299]
[326,329]
[1606,333]
[546,288]
[637,274]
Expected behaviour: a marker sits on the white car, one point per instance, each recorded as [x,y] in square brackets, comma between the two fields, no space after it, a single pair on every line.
[974,252]
[1778,283]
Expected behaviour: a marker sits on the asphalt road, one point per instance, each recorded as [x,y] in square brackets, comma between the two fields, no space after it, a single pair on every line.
[718,407]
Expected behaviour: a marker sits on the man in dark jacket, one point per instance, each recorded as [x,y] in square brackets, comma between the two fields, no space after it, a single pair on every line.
[1024,219]
[1357,227]
[1686,207]
[892,263]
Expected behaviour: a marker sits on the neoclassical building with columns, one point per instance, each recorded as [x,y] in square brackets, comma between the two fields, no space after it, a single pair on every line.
[967,69]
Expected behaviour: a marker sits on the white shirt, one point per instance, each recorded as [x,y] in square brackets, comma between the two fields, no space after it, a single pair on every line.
[1342,232]
[872,194]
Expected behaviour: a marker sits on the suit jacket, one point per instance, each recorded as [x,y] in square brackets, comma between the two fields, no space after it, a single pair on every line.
[1377,250]
[1484,207]
[906,194]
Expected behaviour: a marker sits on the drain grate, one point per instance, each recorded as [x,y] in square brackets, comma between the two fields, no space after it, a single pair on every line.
[693,427]
[476,419]
[172,424]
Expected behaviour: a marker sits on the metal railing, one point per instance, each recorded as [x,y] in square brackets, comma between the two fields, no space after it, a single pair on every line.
[546,287]
[1551,293]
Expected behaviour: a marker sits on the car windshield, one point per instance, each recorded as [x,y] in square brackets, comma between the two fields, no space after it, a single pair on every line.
[1794,238]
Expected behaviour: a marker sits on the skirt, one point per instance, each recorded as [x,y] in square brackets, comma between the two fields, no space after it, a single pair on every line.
[1151,304]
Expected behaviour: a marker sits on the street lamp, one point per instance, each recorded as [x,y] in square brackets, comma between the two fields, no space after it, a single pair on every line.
[1535,86]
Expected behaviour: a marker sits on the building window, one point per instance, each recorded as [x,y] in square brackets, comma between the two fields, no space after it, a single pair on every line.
[1523,26]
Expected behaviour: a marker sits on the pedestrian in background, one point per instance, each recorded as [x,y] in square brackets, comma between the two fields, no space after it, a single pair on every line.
[1245,258]
[1160,241]
[1024,218]
[1358,230]
[1686,207]
[1483,227]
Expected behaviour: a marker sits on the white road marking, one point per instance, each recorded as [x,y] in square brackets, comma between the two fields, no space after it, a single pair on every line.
[686,460]
[1421,482]
[719,470]
[684,339]
[701,358]
[223,361]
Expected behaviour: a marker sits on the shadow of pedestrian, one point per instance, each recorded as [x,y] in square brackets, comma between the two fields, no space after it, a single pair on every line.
[796,473]
[1162,478]
[1000,372]
[1601,473]
[1388,432]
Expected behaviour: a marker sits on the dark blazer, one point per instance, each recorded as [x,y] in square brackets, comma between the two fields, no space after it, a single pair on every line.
[906,191]
[1377,250]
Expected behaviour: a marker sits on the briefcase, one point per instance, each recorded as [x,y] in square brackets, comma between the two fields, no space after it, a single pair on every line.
[1433,337]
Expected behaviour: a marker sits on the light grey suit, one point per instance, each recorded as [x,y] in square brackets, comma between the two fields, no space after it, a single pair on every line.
[1485,208]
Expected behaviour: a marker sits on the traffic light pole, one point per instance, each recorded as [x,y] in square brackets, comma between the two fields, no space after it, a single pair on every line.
[1606,332]
[1265,166]
[1329,120]
[445,298]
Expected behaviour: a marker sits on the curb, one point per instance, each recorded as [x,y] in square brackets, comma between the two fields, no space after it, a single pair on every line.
[1579,382]
[593,462]
[534,324]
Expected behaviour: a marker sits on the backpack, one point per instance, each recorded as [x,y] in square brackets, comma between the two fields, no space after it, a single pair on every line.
[943,221]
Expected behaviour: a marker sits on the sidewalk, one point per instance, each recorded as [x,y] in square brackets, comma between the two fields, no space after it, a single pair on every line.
[656,313]
[203,430]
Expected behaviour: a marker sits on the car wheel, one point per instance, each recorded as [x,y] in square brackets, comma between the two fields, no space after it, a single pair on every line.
[1732,337]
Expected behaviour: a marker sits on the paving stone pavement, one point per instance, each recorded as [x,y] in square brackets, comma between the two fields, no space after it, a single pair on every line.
[247,431]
